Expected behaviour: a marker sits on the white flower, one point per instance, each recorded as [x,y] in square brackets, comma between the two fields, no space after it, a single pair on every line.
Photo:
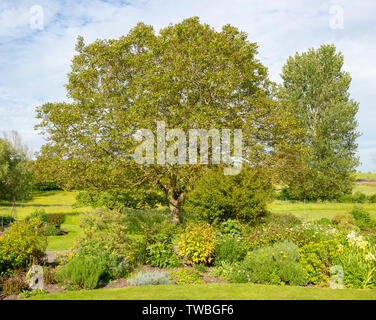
[370,257]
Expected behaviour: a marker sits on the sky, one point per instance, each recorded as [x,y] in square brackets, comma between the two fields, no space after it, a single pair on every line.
[37,40]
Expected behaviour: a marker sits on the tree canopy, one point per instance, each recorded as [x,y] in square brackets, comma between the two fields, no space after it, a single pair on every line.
[318,90]
[189,76]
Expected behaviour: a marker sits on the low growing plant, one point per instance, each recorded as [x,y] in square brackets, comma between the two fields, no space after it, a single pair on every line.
[150,278]
[187,275]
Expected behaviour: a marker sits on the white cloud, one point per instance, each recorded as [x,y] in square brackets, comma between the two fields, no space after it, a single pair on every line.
[34,63]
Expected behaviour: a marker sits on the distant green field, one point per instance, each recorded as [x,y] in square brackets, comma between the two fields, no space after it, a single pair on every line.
[364,175]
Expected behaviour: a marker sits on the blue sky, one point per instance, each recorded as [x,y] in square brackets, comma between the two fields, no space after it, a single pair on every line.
[37,40]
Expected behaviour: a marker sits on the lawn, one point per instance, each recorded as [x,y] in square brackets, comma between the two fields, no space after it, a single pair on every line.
[53,202]
[214,292]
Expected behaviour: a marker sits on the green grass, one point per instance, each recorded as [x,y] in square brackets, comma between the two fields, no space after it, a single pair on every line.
[364,188]
[214,292]
[314,211]
[53,202]
[64,242]
[365,175]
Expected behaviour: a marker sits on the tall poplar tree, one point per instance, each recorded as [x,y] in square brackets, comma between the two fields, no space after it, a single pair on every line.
[318,90]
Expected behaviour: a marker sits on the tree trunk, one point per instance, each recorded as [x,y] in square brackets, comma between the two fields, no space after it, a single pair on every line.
[175,205]
[175,212]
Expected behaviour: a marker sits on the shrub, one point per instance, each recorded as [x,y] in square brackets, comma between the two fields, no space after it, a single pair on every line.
[51,222]
[6,220]
[139,220]
[222,270]
[14,285]
[200,268]
[46,186]
[162,256]
[362,218]
[344,221]
[188,275]
[22,245]
[372,198]
[229,248]
[105,231]
[359,197]
[231,226]
[49,275]
[83,271]
[282,219]
[358,260]
[150,278]
[217,197]
[316,260]
[276,264]
[197,243]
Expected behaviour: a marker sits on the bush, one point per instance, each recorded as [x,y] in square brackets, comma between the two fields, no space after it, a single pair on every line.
[217,197]
[150,278]
[359,197]
[106,231]
[344,221]
[362,218]
[14,285]
[140,220]
[22,245]
[276,264]
[372,199]
[197,243]
[231,226]
[222,270]
[316,260]
[282,219]
[188,275]
[358,260]
[162,256]
[229,248]
[51,222]
[83,271]
[6,220]
[49,275]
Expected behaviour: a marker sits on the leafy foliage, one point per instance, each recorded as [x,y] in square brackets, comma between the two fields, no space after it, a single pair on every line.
[277,264]
[188,75]
[318,90]
[187,275]
[197,243]
[23,244]
[162,256]
[316,260]
[150,278]
[217,197]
